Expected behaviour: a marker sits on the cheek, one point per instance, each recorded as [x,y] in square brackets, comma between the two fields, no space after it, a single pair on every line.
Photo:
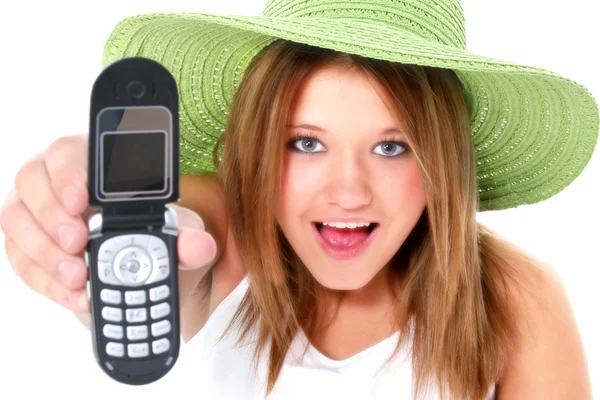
[414,184]
[405,192]
[297,180]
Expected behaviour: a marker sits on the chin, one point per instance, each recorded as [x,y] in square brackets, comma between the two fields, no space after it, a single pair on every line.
[342,281]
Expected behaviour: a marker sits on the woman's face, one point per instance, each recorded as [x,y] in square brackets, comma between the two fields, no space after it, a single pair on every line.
[353,171]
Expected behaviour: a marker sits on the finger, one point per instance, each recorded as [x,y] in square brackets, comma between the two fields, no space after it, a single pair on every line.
[67,165]
[43,283]
[11,198]
[33,187]
[195,249]
[187,218]
[21,228]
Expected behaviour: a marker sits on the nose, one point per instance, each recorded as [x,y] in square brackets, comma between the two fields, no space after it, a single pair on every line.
[348,183]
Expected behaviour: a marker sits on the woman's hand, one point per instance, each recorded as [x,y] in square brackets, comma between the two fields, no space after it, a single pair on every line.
[44,222]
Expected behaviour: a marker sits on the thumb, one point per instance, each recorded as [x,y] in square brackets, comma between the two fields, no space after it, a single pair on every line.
[195,248]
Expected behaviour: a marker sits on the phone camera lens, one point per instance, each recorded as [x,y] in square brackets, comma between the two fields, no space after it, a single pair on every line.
[136,89]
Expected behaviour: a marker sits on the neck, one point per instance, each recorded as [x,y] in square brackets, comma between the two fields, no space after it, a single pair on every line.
[372,303]
[373,294]
[350,321]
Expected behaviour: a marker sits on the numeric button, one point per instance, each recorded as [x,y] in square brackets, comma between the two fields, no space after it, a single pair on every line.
[113,331]
[137,332]
[160,310]
[115,349]
[159,293]
[112,314]
[110,296]
[136,350]
[134,298]
[160,345]
[136,314]
[160,328]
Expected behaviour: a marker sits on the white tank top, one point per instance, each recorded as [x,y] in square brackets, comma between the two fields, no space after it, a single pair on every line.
[224,372]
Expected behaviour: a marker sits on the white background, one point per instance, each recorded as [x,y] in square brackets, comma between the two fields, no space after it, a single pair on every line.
[50,55]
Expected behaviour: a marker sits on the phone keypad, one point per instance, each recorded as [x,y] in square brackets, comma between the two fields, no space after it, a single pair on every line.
[135,261]
[144,323]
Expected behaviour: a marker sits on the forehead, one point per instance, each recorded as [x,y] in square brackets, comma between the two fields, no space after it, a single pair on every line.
[342,96]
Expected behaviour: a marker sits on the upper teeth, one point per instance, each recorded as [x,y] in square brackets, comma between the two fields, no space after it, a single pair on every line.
[347,224]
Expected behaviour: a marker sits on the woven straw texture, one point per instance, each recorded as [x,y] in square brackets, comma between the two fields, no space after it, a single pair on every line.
[533,131]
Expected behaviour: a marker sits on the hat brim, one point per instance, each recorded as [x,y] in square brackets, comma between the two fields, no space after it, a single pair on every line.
[534,131]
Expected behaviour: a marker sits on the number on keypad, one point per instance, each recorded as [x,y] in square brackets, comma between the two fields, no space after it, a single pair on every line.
[134,298]
[159,293]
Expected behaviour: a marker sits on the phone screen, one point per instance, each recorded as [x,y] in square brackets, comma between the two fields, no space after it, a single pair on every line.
[134,162]
[133,153]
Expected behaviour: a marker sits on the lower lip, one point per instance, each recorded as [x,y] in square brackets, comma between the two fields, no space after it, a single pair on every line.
[344,253]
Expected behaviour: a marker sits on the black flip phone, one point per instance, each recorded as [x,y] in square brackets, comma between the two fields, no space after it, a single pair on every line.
[132,246]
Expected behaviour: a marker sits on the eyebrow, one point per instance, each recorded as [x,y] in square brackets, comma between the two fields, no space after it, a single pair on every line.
[319,129]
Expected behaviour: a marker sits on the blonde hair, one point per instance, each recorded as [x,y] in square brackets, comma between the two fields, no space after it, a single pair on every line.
[451,274]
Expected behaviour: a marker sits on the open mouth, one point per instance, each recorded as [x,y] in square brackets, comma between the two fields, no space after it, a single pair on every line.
[368,229]
[344,242]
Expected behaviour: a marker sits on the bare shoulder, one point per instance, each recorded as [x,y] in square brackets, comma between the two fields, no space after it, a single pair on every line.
[548,360]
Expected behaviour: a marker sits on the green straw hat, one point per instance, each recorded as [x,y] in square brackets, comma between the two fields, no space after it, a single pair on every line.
[533,131]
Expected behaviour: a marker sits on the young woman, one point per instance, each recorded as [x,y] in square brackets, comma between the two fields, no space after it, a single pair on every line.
[343,205]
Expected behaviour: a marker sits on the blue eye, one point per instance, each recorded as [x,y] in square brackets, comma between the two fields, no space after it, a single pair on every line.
[310,144]
[391,149]
[306,144]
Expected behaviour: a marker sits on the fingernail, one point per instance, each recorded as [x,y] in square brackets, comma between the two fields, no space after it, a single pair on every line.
[66,234]
[67,271]
[69,197]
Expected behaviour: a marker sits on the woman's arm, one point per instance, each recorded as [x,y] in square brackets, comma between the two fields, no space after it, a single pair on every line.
[204,196]
[548,361]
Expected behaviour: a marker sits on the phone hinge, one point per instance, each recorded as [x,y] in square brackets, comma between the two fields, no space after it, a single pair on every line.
[149,218]
[103,220]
